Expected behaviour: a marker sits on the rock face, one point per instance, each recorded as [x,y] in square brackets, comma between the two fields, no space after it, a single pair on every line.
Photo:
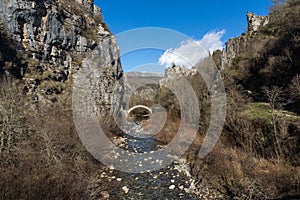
[174,72]
[49,30]
[89,4]
[233,47]
[255,21]
[236,45]
[56,37]
[100,79]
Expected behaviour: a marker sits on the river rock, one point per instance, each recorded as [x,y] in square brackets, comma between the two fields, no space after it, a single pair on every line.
[172,187]
[125,189]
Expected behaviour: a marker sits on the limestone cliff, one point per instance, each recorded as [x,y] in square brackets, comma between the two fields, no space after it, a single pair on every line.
[175,71]
[243,43]
[267,55]
[54,38]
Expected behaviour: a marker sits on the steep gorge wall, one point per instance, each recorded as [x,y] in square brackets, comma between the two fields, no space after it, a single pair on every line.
[243,43]
[57,37]
[48,29]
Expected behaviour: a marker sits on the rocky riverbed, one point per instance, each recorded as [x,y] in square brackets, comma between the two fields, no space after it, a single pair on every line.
[171,182]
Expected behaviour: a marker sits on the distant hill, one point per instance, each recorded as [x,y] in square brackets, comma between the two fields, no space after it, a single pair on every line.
[138,78]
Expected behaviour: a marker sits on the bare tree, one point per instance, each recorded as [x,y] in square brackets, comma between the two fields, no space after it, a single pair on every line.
[12,115]
[274,97]
[295,86]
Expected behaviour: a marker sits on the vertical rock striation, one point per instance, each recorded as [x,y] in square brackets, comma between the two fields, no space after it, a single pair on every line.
[55,38]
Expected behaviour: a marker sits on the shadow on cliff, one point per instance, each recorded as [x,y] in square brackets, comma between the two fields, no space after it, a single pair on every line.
[10,60]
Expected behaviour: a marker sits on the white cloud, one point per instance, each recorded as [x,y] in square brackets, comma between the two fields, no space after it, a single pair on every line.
[190,52]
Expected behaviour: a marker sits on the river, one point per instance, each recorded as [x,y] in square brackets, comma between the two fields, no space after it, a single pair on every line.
[171,182]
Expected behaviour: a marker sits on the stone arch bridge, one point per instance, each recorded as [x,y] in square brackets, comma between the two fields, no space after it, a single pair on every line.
[127,112]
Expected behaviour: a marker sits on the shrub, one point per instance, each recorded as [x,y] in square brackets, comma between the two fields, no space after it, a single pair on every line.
[46,160]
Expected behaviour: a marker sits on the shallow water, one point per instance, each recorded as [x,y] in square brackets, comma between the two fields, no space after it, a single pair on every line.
[171,182]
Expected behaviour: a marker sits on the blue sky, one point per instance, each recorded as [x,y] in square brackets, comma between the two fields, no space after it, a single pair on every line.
[194,18]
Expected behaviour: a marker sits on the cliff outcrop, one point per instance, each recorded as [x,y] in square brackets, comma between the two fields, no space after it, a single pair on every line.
[52,39]
[243,43]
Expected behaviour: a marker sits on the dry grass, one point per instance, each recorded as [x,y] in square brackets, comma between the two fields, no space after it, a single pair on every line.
[47,159]
[242,176]
[169,131]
